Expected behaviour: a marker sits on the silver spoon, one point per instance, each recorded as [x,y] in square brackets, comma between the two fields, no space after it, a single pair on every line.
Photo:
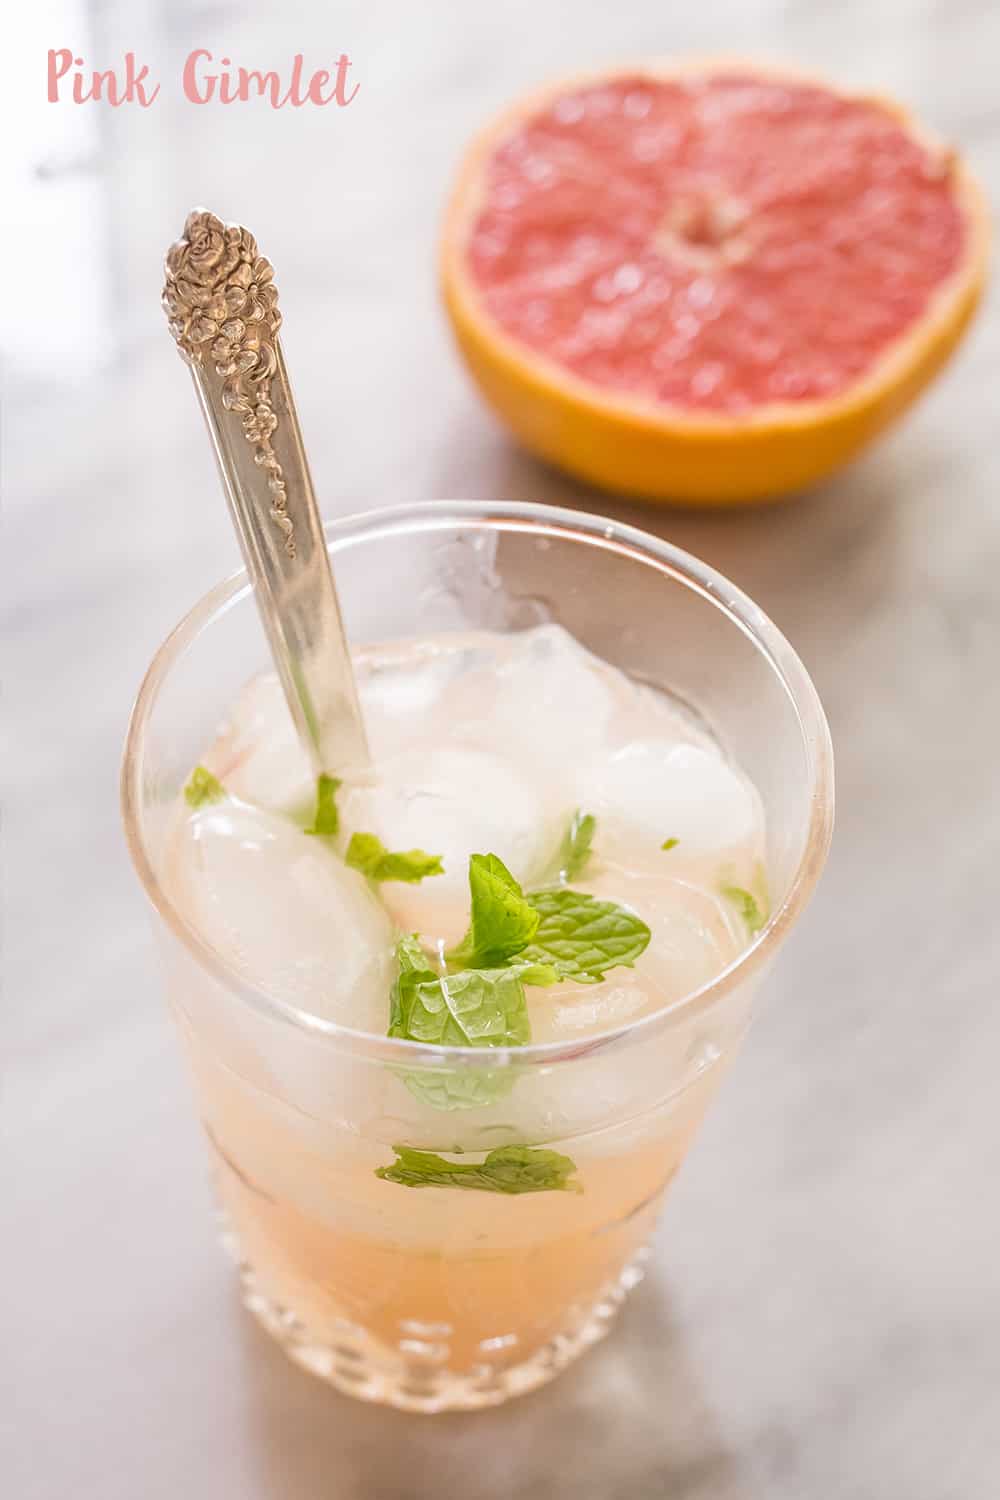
[222,305]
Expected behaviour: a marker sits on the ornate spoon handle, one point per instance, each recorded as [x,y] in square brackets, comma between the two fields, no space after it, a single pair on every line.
[222,305]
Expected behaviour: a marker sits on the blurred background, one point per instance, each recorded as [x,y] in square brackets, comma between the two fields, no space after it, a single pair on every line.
[823,1316]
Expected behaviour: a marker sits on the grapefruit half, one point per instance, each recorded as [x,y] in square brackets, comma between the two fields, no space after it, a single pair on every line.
[708,284]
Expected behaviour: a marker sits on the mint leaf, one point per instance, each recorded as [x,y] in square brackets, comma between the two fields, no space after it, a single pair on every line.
[507,1169]
[555,933]
[203,788]
[581,937]
[574,851]
[503,921]
[538,975]
[459,1088]
[414,968]
[447,1088]
[670,843]
[754,915]
[411,957]
[475,1008]
[367,853]
[326,819]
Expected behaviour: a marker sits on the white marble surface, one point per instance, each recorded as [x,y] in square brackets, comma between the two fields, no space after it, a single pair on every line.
[823,1317]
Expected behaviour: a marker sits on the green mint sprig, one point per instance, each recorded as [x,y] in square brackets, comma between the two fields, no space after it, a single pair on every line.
[367,853]
[203,788]
[506,1169]
[458,1088]
[753,912]
[326,819]
[514,939]
[473,1008]
[414,968]
[752,902]
[581,937]
[502,922]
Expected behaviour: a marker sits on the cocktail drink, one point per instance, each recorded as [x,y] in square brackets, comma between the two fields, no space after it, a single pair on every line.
[454,1018]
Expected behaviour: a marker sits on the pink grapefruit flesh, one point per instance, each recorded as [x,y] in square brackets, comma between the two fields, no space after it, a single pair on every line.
[705,253]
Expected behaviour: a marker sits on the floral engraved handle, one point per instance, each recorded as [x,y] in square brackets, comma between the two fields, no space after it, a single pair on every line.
[221,303]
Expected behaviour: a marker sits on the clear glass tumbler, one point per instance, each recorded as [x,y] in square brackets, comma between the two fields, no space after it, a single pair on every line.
[435,1299]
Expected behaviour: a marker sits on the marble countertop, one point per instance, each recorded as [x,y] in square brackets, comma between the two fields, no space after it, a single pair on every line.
[822,1321]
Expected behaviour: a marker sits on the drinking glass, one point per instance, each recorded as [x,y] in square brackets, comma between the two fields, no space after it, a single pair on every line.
[432,1298]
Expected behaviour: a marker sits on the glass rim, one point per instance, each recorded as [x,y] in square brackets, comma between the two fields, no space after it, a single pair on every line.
[551,522]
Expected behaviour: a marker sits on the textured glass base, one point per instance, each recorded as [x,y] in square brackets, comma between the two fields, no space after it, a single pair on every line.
[414,1376]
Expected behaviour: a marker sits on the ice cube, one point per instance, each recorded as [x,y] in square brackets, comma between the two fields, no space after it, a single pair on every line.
[542,700]
[284,910]
[257,755]
[569,1011]
[452,801]
[402,691]
[652,790]
[693,939]
[404,688]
